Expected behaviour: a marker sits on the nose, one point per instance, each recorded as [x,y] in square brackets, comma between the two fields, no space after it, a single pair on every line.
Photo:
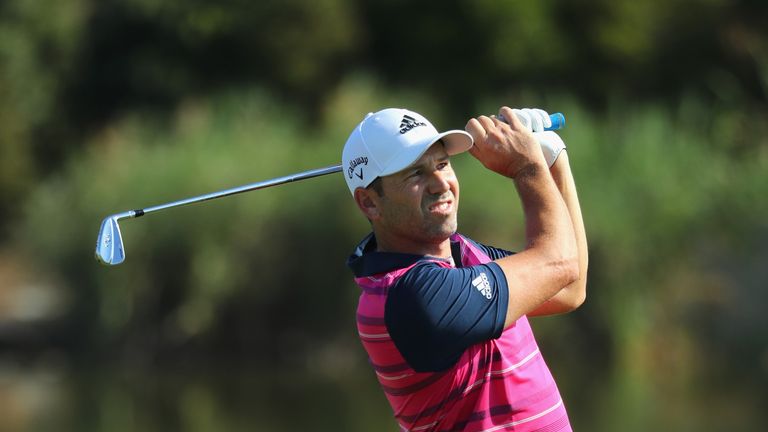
[439,182]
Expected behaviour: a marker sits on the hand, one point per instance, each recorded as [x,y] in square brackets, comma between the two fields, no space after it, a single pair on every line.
[507,149]
[536,120]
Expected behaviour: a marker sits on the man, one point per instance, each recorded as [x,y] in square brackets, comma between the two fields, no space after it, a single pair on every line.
[443,318]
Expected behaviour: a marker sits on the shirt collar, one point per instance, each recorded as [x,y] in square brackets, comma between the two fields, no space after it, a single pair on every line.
[365,260]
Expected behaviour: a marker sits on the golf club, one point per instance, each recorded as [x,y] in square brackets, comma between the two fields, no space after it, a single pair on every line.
[109,244]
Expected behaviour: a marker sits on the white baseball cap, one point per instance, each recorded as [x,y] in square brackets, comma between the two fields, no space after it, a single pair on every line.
[391,140]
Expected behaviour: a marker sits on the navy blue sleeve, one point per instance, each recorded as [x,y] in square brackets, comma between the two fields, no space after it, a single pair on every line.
[434,313]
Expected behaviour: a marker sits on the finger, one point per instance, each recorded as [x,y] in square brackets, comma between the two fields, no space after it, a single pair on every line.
[499,121]
[476,129]
[510,118]
[537,123]
[487,123]
[544,117]
[525,119]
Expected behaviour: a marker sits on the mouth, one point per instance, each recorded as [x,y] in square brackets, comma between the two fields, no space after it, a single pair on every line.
[442,207]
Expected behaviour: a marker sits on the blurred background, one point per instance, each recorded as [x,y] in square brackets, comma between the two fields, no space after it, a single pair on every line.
[238,314]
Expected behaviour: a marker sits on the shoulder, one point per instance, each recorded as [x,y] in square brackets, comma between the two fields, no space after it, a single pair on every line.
[429,275]
[429,280]
[434,311]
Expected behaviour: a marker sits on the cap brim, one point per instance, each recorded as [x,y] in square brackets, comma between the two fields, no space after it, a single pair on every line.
[456,141]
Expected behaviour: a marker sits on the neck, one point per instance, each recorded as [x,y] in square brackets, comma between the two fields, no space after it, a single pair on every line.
[440,248]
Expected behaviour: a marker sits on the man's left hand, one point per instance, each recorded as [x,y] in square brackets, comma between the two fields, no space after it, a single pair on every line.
[536,120]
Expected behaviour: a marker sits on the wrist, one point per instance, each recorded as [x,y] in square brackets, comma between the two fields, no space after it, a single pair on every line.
[529,172]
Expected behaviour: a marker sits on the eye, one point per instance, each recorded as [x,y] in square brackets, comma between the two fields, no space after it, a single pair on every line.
[443,165]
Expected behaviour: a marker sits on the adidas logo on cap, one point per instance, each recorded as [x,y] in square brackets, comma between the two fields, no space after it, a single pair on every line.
[408,123]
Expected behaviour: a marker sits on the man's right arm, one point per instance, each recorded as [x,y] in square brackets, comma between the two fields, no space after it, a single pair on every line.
[549,261]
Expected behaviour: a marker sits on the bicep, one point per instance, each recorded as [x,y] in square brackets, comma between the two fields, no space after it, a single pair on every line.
[532,280]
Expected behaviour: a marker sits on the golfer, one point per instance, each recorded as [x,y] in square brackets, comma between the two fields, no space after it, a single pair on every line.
[442,317]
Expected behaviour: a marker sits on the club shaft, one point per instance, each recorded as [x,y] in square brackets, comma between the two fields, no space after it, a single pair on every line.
[236,190]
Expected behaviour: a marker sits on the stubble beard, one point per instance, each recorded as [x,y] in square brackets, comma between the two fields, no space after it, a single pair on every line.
[422,227]
[436,233]
[438,229]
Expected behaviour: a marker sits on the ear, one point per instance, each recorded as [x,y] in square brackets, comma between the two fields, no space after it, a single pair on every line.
[368,203]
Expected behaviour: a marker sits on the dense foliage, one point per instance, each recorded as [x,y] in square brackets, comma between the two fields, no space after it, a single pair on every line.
[111,105]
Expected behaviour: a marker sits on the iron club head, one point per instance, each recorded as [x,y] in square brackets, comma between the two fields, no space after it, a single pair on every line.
[109,244]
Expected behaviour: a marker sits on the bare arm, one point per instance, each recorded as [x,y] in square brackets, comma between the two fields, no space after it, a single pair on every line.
[573,295]
[550,259]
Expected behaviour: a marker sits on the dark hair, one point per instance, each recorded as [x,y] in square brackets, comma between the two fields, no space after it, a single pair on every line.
[377,186]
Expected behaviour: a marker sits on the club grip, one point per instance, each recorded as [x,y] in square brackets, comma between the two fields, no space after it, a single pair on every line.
[558,121]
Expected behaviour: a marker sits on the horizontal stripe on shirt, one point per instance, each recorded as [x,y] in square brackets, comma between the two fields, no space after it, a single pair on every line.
[504,371]
[402,391]
[370,320]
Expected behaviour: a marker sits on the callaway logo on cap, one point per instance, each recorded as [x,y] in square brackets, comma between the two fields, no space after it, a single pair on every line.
[391,140]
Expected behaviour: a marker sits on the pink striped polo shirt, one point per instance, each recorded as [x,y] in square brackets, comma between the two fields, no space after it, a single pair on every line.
[500,383]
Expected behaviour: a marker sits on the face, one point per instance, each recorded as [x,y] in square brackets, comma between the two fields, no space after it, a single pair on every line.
[420,203]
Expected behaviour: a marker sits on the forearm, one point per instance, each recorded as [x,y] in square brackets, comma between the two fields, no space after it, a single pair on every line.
[572,295]
[549,261]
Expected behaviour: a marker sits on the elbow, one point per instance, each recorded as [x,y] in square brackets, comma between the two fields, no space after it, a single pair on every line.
[574,283]
[577,288]
[564,260]
[579,297]
[570,272]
